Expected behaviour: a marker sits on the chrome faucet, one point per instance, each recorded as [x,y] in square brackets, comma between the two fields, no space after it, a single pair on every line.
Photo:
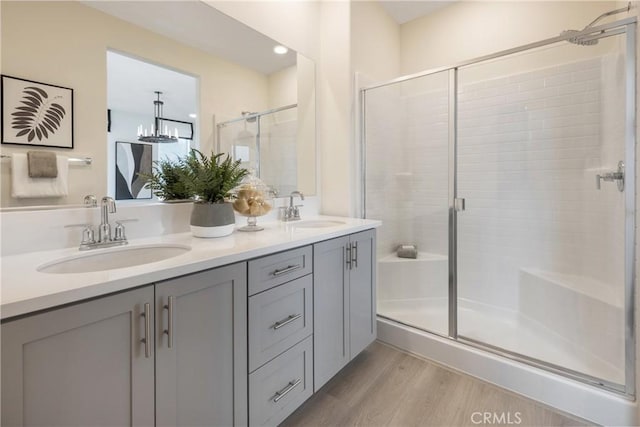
[292,213]
[108,205]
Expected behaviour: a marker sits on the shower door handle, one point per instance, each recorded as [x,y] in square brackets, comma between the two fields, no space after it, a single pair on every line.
[458,204]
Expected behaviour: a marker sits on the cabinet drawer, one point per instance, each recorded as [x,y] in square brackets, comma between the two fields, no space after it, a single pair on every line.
[278,319]
[280,386]
[273,270]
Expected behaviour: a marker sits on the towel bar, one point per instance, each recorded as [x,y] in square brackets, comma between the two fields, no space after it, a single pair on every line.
[72,160]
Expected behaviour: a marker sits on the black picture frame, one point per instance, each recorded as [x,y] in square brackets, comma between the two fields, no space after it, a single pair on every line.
[23,100]
[190,124]
[132,158]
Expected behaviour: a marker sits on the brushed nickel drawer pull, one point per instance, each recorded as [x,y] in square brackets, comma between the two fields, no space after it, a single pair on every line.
[169,330]
[348,251]
[286,270]
[354,255]
[279,324]
[282,393]
[147,330]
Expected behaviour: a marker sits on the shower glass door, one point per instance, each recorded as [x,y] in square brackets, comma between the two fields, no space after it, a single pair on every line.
[541,241]
[279,149]
[239,139]
[406,186]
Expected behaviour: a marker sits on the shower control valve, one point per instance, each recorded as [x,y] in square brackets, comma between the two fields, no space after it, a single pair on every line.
[617,176]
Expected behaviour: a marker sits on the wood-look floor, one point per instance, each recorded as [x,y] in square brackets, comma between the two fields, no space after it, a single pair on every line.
[386,387]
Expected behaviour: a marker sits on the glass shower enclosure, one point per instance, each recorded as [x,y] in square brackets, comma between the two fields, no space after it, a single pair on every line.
[266,144]
[514,175]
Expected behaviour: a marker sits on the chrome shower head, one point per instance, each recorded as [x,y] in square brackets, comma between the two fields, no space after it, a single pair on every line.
[252,117]
[592,39]
[579,40]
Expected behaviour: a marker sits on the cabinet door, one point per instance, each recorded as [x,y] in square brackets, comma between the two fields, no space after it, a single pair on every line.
[201,354]
[81,365]
[330,309]
[362,280]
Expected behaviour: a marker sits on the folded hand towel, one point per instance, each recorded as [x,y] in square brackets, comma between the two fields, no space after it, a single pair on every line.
[22,186]
[42,164]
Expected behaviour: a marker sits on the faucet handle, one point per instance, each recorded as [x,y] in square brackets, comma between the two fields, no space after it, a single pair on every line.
[90,200]
[285,212]
[87,233]
[119,230]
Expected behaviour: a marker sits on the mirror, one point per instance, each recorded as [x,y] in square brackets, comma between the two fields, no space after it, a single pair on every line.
[136,91]
[234,68]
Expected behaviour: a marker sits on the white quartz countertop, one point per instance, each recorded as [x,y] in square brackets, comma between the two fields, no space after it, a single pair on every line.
[24,289]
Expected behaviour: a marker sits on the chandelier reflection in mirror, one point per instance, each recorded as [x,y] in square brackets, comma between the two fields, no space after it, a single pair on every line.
[157,135]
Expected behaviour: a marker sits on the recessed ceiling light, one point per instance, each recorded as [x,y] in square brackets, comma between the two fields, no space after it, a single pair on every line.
[280,50]
[193,115]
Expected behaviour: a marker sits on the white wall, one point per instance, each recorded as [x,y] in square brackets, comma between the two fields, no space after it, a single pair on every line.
[321,31]
[375,41]
[34,47]
[470,29]
[283,87]
[335,109]
[307,147]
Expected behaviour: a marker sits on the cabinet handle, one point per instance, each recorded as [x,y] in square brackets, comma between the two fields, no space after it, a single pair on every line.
[354,255]
[169,330]
[286,321]
[286,270]
[349,257]
[282,393]
[147,330]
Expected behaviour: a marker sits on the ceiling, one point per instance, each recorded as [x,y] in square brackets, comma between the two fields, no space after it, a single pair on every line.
[199,25]
[404,11]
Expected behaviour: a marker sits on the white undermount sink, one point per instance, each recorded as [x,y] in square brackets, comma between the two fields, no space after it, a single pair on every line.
[320,223]
[110,259]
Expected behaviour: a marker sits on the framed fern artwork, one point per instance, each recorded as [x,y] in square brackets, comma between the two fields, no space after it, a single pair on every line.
[35,113]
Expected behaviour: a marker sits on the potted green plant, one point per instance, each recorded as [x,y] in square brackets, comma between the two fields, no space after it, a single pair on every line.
[167,181]
[210,180]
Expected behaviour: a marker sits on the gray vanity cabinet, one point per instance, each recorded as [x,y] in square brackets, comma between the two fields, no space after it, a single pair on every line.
[244,343]
[343,302]
[87,364]
[201,349]
[81,365]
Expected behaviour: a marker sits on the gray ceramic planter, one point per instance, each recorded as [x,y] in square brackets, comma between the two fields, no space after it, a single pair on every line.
[212,219]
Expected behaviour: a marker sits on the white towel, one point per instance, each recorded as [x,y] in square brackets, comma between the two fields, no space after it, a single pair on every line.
[24,187]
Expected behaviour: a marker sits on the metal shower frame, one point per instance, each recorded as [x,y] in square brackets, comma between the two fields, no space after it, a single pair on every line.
[246,118]
[625,26]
